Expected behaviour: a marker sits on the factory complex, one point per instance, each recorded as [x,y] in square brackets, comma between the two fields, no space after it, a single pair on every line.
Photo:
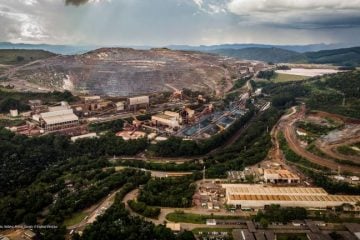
[259,196]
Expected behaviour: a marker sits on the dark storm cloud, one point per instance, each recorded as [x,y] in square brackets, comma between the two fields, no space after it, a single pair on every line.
[75,2]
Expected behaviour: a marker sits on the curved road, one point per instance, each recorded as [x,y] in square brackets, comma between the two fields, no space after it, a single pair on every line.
[294,144]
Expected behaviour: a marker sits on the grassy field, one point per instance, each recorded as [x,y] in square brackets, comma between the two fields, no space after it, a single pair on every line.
[75,219]
[195,218]
[283,77]
[18,56]
[11,122]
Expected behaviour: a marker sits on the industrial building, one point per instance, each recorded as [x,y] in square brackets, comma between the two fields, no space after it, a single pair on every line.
[57,118]
[280,176]
[131,135]
[170,119]
[136,102]
[258,196]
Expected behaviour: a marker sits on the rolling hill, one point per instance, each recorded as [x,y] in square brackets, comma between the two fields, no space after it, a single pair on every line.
[275,55]
[340,57]
[21,56]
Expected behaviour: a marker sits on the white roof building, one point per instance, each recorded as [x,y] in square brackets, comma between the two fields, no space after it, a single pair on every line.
[139,100]
[257,196]
[58,118]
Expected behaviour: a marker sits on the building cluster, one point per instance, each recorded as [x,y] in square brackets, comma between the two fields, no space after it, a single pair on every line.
[272,173]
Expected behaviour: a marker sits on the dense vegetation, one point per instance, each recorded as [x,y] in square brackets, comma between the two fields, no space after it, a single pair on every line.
[168,192]
[22,158]
[267,74]
[347,150]
[175,147]
[112,126]
[118,224]
[144,210]
[251,148]
[331,186]
[314,128]
[275,213]
[340,57]
[169,167]
[19,100]
[328,94]
[323,93]
[21,56]
[239,83]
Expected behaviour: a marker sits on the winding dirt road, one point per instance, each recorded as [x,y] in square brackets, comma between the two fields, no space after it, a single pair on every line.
[295,145]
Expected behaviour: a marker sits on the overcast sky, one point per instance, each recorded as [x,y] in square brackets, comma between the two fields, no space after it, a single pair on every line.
[194,22]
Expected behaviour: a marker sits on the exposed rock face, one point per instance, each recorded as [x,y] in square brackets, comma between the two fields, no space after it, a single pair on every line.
[124,72]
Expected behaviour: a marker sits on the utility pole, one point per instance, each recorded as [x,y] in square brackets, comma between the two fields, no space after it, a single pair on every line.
[204,175]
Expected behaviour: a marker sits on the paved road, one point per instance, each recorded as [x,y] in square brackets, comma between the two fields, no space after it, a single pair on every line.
[96,210]
[189,226]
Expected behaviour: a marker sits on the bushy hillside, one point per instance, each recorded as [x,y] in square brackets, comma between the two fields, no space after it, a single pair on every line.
[20,56]
[344,56]
[340,57]
[275,55]
[322,93]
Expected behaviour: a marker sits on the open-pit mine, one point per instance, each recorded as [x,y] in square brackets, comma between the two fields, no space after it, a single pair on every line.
[125,72]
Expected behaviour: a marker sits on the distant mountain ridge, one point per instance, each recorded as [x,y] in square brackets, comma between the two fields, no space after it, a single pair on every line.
[79,49]
[296,48]
[313,53]
[341,57]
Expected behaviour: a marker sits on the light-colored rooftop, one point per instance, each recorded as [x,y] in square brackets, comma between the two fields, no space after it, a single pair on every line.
[308,198]
[255,189]
[60,116]
[163,116]
[281,173]
[60,119]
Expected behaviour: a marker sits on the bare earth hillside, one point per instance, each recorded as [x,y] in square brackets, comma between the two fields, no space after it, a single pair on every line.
[124,72]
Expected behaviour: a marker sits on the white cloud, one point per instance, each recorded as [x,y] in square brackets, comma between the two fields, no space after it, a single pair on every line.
[212,6]
[30,2]
[199,2]
[243,7]
[307,14]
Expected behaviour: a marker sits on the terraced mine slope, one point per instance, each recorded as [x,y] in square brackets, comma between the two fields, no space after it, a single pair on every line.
[124,72]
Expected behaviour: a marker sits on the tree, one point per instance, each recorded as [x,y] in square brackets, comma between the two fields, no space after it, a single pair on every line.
[186,235]
[264,223]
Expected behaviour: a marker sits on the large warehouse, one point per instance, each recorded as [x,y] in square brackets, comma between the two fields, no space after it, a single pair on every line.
[257,196]
[57,118]
[170,119]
